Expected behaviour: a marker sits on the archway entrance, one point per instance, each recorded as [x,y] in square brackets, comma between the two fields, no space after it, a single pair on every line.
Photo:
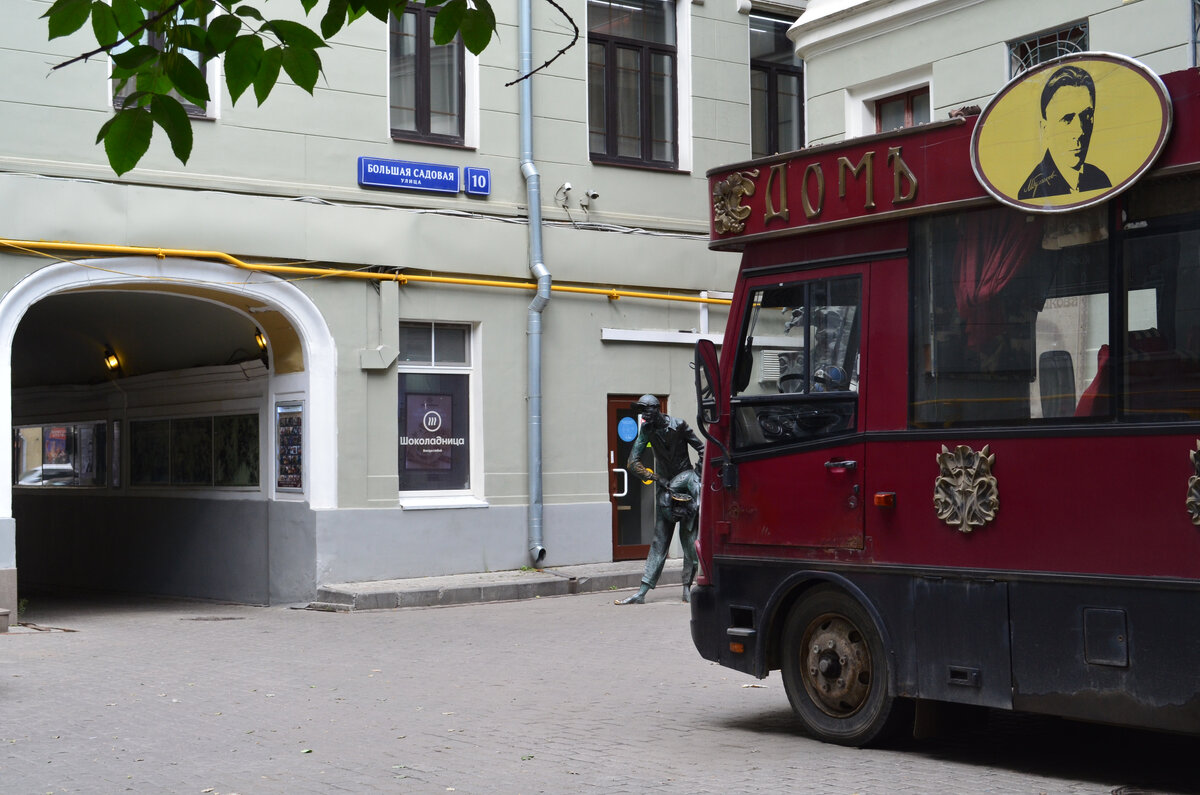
[143,405]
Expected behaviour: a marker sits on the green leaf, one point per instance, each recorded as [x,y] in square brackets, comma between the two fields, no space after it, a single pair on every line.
[170,115]
[134,57]
[189,37]
[104,24]
[378,9]
[187,77]
[67,16]
[197,9]
[242,62]
[478,25]
[308,5]
[294,34]
[129,16]
[448,21]
[104,129]
[249,11]
[222,31]
[127,138]
[303,66]
[334,19]
[268,73]
[137,98]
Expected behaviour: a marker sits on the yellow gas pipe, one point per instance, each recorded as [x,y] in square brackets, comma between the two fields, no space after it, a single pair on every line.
[295,270]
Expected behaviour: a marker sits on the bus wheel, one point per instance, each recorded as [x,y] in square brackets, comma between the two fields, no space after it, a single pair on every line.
[835,670]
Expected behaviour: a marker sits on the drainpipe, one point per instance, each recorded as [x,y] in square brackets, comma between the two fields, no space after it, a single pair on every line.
[533,199]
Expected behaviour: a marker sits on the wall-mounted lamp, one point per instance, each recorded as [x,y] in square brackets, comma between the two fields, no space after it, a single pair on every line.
[260,339]
[111,361]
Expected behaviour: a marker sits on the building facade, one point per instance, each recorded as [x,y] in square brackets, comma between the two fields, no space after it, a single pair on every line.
[874,65]
[388,330]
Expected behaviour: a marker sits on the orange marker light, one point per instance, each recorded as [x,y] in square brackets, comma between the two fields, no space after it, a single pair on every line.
[885,499]
[736,647]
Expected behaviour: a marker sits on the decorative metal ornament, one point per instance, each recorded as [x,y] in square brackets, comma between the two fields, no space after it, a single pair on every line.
[965,495]
[729,215]
[1193,494]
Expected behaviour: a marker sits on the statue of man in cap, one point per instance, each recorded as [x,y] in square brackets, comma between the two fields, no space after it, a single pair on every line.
[677,491]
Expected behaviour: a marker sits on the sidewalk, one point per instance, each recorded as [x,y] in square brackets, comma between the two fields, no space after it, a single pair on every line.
[497,586]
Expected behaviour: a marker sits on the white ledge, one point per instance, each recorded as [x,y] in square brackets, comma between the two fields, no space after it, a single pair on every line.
[657,335]
[441,502]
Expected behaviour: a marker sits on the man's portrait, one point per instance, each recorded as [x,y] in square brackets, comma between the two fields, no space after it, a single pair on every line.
[1068,107]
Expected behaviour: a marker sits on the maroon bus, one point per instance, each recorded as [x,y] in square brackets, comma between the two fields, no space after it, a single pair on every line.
[954,429]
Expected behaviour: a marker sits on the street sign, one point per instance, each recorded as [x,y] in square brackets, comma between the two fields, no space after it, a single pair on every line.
[375,172]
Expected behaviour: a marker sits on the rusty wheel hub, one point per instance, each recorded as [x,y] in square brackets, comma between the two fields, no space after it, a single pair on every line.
[836,665]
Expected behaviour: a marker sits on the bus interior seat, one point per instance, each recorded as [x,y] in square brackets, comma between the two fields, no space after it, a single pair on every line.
[1056,383]
[1162,381]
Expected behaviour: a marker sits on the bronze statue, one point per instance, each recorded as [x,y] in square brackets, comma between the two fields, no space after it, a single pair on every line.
[677,490]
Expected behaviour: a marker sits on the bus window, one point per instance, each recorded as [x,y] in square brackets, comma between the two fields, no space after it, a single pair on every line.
[1161,373]
[796,375]
[1010,314]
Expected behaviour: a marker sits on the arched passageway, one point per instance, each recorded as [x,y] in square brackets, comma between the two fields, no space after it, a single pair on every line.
[145,401]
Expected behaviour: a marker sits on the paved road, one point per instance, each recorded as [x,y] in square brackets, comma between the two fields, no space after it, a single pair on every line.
[560,695]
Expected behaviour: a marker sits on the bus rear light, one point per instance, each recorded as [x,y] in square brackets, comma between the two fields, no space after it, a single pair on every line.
[885,499]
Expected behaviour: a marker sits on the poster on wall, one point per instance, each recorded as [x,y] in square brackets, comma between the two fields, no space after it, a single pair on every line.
[428,428]
[55,446]
[289,440]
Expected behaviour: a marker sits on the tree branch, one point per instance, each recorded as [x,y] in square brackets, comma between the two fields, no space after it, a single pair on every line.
[171,9]
[556,55]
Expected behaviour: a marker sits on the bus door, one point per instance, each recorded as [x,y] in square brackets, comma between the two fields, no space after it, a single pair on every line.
[795,411]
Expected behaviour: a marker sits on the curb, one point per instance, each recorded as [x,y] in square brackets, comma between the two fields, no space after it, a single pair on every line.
[504,586]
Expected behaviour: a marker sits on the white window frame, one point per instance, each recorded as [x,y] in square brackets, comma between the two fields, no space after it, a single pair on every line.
[470,99]
[472,497]
[213,70]
[860,100]
[683,90]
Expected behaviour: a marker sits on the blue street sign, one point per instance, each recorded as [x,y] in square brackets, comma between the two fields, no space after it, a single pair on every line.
[375,172]
[477,181]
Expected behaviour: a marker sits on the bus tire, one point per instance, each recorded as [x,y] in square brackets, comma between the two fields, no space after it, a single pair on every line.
[835,670]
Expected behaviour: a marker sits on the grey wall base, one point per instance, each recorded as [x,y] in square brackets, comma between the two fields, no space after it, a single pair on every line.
[8,593]
[243,551]
[362,545]
[261,552]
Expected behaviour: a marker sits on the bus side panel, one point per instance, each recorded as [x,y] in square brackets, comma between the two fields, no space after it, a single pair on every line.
[1116,653]
[1080,504]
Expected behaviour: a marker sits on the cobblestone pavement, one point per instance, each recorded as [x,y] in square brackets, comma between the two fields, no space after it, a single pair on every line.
[561,695]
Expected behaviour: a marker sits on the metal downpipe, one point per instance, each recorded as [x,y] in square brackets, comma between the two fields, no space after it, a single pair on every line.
[533,197]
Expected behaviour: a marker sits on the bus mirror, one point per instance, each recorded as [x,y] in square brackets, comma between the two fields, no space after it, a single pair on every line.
[708,383]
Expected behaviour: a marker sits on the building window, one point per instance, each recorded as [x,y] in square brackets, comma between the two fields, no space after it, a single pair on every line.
[776,88]
[60,455]
[1027,53]
[435,407]
[632,106]
[902,110]
[427,80]
[194,451]
[123,87]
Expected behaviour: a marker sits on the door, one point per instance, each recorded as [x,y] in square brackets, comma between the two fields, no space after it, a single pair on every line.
[632,500]
[796,412]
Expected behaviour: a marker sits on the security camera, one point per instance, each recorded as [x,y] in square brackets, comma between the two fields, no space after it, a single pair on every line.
[591,194]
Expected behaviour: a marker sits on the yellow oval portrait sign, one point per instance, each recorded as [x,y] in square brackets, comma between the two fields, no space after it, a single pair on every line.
[1071,132]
